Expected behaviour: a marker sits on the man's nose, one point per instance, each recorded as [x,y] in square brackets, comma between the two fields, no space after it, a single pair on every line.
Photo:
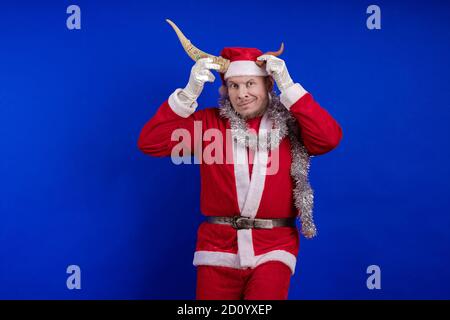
[243,93]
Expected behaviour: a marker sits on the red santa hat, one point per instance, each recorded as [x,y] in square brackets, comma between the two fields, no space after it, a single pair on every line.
[242,63]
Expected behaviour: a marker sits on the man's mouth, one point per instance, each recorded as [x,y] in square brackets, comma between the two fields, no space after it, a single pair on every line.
[246,103]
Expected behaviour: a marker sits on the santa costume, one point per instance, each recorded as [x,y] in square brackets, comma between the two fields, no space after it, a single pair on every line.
[235,258]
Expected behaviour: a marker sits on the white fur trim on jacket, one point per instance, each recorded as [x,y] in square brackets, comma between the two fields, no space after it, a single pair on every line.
[257,182]
[231,260]
[249,193]
[182,107]
[292,94]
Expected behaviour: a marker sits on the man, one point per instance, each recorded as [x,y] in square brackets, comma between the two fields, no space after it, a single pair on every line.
[247,248]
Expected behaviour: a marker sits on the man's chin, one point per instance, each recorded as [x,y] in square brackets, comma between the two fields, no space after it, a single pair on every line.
[251,115]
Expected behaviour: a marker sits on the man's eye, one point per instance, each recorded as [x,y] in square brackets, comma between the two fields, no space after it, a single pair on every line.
[250,84]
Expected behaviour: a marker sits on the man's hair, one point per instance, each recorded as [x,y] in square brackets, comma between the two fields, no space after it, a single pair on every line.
[270,82]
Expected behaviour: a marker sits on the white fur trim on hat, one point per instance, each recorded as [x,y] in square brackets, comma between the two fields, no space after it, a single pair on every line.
[244,68]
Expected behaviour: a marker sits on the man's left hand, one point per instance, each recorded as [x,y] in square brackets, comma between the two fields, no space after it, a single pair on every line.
[276,67]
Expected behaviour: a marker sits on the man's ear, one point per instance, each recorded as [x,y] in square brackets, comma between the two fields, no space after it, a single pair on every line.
[223,91]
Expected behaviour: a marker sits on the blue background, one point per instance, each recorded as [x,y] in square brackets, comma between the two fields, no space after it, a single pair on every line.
[74,188]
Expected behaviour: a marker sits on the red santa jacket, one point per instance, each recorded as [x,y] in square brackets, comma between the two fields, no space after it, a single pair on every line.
[229,189]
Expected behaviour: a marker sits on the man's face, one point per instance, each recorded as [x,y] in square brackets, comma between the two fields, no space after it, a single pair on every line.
[248,95]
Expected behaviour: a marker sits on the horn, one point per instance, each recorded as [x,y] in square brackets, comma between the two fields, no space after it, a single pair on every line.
[272,53]
[196,53]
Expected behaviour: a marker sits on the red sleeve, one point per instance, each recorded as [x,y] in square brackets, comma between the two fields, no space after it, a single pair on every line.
[156,136]
[319,131]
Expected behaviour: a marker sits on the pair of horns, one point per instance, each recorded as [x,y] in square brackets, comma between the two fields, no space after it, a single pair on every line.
[196,53]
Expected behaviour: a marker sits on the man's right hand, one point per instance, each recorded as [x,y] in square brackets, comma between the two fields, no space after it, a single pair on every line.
[200,73]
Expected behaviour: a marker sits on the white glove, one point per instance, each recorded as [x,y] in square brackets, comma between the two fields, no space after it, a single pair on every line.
[276,67]
[200,73]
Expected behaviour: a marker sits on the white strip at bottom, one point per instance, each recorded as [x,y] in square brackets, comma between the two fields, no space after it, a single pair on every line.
[245,248]
[225,259]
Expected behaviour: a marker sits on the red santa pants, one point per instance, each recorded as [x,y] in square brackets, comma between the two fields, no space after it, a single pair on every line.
[268,281]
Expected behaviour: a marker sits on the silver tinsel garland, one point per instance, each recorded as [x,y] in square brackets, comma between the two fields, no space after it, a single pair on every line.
[283,124]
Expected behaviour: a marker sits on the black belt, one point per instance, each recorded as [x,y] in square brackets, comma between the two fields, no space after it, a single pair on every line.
[240,222]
